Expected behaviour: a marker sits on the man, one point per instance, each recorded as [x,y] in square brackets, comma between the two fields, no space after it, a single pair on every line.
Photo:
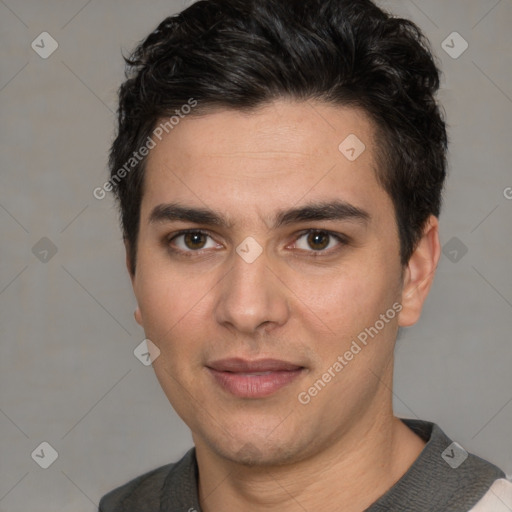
[279,168]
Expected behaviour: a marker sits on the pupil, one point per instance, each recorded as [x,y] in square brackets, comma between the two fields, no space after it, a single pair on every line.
[193,240]
[316,239]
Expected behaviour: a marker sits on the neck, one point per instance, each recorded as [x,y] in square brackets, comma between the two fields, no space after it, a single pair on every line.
[349,475]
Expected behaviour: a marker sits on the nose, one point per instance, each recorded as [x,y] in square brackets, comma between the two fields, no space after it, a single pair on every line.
[252,297]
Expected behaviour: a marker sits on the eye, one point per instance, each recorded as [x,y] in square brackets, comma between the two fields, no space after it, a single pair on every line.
[318,241]
[314,241]
[191,241]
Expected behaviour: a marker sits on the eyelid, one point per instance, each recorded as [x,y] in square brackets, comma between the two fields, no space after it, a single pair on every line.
[172,236]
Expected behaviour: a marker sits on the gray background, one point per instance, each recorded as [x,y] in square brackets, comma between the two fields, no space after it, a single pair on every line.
[68,374]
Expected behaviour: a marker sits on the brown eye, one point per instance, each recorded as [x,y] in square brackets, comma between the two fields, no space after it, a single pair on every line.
[191,241]
[318,240]
[195,240]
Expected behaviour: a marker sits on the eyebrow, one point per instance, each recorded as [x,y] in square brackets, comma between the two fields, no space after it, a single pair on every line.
[318,211]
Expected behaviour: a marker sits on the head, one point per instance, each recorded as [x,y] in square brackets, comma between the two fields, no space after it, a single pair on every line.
[248,123]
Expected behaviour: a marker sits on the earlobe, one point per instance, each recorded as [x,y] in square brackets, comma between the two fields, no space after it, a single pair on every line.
[419,274]
[138,316]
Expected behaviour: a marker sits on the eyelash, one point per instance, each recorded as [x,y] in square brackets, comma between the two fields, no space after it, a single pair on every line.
[341,239]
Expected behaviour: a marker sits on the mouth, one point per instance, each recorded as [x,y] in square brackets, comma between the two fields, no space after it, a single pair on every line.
[253,379]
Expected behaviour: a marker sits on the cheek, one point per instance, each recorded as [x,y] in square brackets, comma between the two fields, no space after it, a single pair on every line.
[174,320]
[171,308]
[165,293]
[345,302]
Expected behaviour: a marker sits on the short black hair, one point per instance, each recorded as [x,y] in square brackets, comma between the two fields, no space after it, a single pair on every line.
[242,54]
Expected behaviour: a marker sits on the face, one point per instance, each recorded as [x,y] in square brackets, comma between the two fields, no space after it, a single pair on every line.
[290,255]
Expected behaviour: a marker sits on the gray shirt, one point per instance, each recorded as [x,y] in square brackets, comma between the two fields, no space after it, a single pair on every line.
[444,478]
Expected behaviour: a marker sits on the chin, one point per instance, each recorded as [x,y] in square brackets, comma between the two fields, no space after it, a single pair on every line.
[259,453]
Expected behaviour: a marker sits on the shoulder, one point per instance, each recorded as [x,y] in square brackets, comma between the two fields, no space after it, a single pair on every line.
[144,493]
[444,477]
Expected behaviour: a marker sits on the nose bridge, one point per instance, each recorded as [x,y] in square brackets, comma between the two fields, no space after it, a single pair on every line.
[251,294]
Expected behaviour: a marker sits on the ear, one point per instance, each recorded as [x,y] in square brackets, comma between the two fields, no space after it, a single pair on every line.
[128,259]
[137,313]
[419,273]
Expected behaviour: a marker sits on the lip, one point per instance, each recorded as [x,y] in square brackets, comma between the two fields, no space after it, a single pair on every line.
[253,379]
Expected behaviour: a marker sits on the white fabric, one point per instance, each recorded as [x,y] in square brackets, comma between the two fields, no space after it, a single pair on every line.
[497,499]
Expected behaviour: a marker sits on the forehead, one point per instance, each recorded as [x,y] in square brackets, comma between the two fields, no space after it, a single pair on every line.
[294,128]
[265,159]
